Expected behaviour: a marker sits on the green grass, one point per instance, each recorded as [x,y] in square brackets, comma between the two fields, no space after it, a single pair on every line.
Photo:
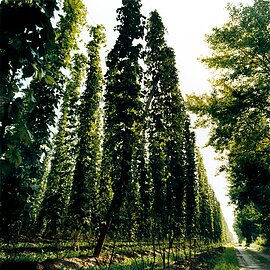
[138,264]
[225,261]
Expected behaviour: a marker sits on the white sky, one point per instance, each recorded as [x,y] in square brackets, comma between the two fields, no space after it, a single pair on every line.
[187,22]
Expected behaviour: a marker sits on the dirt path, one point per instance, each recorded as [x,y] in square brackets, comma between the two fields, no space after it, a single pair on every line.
[248,259]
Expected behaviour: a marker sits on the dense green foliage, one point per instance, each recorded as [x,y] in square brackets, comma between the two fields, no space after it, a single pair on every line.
[59,179]
[165,113]
[248,224]
[83,209]
[238,107]
[122,107]
[122,161]
[24,49]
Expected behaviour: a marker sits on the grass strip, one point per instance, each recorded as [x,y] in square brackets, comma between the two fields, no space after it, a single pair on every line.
[225,261]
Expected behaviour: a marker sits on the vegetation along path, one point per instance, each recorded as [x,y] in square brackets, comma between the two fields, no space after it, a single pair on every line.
[252,259]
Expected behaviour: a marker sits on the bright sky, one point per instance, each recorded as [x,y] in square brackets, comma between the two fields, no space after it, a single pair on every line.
[187,22]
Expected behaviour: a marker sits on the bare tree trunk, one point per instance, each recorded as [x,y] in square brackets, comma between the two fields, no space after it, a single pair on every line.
[119,193]
[108,220]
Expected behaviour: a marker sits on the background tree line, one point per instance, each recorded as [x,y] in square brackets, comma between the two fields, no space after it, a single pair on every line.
[123,160]
[238,111]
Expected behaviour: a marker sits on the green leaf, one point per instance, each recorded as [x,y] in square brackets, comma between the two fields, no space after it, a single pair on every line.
[50,80]
[14,156]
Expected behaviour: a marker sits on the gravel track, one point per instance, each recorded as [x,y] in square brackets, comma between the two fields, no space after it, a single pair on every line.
[248,261]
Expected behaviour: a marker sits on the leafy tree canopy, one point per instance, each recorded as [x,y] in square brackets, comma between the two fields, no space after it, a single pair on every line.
[238,106]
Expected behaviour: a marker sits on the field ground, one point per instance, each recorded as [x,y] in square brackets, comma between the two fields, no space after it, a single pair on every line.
[123,256]
[129,256]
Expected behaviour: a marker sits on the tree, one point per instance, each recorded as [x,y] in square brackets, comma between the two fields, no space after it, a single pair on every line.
[247,223]
[47,92]
[155,45]
[145,189]
[217,220]
[238,107]
[175,116]
[205,219]
[122,106]
[191,198]
[84,201]
[59,180]
[166,116]
[24,45]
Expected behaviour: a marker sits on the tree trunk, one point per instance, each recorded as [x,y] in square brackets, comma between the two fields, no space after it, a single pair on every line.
[119,193]
[108,220]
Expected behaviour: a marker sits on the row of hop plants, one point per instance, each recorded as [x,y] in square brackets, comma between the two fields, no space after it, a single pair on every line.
[123,159]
